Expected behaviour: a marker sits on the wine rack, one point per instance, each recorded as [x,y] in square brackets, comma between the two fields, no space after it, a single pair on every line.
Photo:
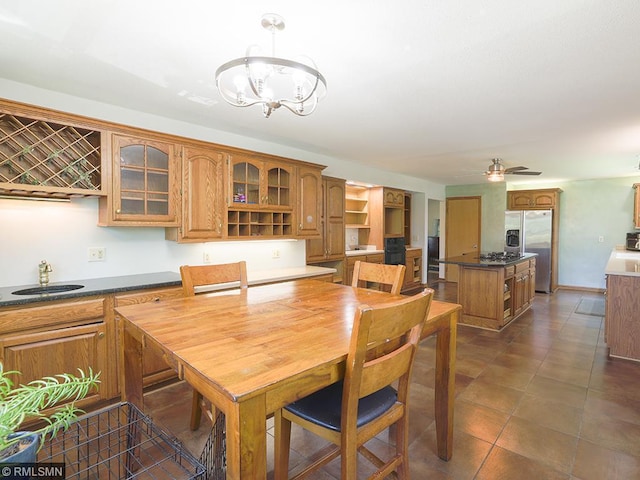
[49,158]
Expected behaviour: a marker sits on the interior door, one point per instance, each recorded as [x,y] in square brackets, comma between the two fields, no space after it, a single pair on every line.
[462,227]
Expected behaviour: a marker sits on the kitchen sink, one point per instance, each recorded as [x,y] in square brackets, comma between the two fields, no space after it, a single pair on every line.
[47,289]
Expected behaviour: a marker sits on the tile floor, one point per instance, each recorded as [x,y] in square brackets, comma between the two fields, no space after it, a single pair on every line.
[539,400]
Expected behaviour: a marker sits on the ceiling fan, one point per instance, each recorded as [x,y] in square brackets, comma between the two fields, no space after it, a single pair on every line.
[496,171]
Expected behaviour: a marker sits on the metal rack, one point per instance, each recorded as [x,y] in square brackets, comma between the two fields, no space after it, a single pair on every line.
[120,442]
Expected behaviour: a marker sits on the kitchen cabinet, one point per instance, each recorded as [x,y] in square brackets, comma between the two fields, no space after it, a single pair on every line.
[144,188]
[203,210]
[413,273]
[256,183]
[533,199]
[521,290]
[309,207]
[622,318]
[329,249]
[352,259]
[331,245]
[51,338]
[155,368]
[59,336]
[47,154]
[386,214]
[493,296]
[263,194]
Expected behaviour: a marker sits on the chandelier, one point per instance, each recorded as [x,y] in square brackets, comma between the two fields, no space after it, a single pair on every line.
[271,81]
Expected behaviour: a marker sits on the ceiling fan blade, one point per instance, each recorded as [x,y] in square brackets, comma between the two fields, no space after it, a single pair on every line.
[524,173]
[515,169]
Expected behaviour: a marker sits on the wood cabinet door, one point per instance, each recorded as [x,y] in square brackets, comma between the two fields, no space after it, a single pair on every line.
[393,198]
[334,196]
[155,367]
[315,248]
[519,200]
[532,199]
[245,180]
[145,182]
[202,194]
[409,274]
[309,208]
[278,186]
[64,350]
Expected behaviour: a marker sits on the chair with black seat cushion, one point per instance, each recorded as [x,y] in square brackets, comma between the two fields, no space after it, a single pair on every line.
[349,413]
[368,275]
[234,274]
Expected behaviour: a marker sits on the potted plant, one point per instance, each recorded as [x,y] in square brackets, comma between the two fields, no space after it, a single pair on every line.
[29,401]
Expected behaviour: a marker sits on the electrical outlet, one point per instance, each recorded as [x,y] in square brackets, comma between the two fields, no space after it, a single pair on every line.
[601,239]
[97,254]
[275,254]
[206,257]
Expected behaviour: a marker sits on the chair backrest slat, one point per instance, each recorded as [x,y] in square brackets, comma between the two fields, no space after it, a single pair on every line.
[201,275]
[378,273]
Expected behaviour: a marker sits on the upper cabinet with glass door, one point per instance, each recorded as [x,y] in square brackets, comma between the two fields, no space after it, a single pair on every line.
[144,187]
[259,184]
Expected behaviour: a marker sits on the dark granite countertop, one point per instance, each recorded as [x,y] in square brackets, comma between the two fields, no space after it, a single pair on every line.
[474,260]
[96,286]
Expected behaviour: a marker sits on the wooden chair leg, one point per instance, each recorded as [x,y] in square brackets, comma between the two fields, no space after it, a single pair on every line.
[196,410]
[282,433]
[402,442]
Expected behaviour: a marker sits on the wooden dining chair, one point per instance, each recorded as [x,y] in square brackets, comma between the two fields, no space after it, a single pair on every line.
[365,274]
[353,411]
[204,275]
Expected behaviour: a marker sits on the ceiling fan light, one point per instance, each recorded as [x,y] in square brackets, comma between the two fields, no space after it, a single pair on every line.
[495,176]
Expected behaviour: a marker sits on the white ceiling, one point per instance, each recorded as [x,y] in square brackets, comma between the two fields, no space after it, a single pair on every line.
[429,88]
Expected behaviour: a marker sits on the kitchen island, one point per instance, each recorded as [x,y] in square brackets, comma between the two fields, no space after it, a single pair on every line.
[622,305]
[494,289]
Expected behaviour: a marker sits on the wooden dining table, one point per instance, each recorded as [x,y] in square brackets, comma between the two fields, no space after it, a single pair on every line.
[252,351]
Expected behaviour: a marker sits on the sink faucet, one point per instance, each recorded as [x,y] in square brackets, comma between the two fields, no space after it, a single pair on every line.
[43,269]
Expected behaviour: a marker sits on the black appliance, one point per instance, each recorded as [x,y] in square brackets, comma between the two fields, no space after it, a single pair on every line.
[633,241]
[395,252]
[513,238]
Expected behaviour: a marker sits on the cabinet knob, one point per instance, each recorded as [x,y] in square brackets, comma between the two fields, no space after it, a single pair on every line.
[101,335]
[118,211]
[156,299]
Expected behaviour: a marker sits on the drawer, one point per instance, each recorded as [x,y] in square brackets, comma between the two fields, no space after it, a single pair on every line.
[146,296]
[376,258]
[509,271]
[521,267]
[66,312]
[532,263]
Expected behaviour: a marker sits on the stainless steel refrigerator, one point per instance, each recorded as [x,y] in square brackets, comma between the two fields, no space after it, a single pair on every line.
[529,231]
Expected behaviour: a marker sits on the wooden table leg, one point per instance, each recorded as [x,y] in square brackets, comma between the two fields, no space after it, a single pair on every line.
[131,367]
[445,386]
[247,439]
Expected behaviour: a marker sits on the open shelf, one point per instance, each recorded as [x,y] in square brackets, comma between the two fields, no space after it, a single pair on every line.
[259,223]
